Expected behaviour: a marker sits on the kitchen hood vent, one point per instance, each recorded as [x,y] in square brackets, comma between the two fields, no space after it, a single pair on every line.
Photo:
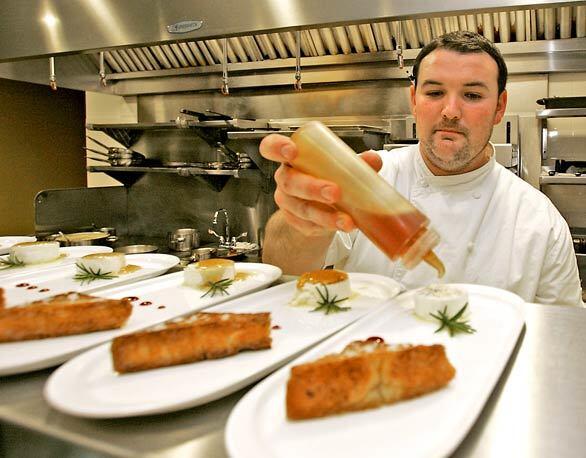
[499,27]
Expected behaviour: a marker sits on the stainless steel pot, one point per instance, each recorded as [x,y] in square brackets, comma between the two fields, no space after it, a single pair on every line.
[185,239]
[80,238]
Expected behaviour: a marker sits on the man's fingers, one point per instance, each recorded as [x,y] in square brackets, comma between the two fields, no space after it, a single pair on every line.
[372,159]
[303,186]
[325,216]
[307,228]
[278,148]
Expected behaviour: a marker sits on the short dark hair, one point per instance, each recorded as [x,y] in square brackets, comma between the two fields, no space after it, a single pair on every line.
[465,42]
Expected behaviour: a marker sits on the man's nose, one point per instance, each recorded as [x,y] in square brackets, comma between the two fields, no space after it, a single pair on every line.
[451,109]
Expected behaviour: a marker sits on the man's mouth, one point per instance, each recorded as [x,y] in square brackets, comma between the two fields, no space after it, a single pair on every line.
[448,131]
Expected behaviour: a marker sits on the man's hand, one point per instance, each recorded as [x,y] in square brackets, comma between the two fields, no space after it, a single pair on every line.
[307,203]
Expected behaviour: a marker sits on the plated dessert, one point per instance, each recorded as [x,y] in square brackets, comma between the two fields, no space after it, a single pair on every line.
[62,315]
[27,253]
[102,266]
[364,375]
[446,305]
[323,289]
[196,337]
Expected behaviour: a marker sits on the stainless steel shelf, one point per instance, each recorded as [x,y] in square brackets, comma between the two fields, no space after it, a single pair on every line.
[562,178]
[181,171]
[561,113]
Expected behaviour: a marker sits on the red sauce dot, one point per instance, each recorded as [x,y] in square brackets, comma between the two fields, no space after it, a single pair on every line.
[161,307]
[130,298]
[375,339]
[146,303]
[44,290]
[276,327]
[32,287]
[22,285]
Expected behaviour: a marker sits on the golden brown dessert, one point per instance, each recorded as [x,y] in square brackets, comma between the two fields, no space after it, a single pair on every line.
[193,338]
[325,277]
[366,374]
[2,301]
[62,315]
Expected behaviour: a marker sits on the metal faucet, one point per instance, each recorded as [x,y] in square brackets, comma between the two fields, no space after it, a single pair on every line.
[223,239]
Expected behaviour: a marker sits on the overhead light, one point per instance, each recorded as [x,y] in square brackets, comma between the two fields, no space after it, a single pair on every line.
[50,20]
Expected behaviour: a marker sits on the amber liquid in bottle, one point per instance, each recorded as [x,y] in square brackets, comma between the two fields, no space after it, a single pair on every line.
[396,227]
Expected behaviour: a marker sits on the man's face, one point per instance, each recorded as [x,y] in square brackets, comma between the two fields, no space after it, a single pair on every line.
[456,104]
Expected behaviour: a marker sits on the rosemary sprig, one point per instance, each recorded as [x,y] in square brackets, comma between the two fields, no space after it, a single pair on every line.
[10,262]
[454,324]
[329,305]
[218,287]
[87,274]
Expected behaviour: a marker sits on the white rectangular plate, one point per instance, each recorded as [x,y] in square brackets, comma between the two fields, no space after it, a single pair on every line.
[69,255]
[58,280]
[431,425]
[168,298]
[87,386]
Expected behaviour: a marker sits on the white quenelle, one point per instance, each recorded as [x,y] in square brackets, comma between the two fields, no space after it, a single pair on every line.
[209,271]
[436,298]
[334,283]
[34,252]
[103,262]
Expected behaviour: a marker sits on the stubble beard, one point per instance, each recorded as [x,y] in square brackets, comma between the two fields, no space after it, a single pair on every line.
[461,159]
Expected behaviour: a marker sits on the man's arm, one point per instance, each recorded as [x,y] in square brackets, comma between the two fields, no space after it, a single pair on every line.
[291,250]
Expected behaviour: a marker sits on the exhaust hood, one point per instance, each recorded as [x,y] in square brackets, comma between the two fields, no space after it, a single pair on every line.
[150,40]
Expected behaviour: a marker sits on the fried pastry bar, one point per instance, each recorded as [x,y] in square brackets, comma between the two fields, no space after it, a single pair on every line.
[2,300]
[62,315]
[366,374]
[193,338]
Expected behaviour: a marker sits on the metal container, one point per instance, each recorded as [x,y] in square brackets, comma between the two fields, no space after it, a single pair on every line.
[200,254]
[136,249]
[80,238]
[184,239]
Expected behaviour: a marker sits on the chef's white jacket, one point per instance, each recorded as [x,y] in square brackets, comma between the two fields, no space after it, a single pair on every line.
[495,230]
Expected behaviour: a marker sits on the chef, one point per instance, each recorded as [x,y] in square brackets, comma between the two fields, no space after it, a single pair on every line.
[495,228]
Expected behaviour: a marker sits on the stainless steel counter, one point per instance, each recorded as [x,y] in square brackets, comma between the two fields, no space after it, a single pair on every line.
[538,408]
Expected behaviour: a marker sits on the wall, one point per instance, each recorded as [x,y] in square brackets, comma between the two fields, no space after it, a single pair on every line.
[41,139]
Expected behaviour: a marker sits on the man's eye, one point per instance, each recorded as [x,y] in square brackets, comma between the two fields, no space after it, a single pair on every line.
[434,93]
[473,96]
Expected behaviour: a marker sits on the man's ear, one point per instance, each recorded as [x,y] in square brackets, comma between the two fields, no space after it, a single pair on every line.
[501,106]
[412,98]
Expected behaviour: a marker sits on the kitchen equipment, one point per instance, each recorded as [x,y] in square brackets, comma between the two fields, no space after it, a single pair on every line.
[80,238]
[137,249]
[381,213]
[115,156]
[184,239]
[199,254]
